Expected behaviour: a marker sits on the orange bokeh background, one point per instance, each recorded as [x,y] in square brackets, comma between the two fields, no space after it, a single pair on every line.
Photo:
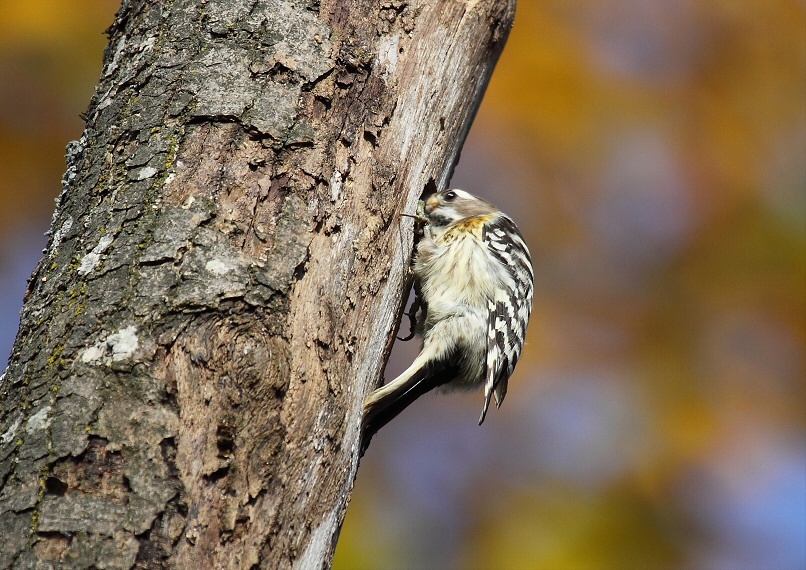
[654,154]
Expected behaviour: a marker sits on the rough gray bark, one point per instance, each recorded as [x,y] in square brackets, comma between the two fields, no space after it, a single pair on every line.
[224,276]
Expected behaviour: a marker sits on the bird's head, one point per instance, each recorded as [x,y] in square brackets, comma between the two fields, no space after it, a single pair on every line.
[449,206]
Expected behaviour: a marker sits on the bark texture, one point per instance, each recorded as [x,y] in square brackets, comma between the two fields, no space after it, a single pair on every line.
[224,277]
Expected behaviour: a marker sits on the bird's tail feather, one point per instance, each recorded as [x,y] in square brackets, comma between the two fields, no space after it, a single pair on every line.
[388,401]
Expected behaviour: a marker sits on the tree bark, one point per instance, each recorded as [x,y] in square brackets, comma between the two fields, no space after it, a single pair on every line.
[225,272]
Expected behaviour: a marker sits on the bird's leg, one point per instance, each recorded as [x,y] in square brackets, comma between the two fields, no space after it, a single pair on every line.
[416,305]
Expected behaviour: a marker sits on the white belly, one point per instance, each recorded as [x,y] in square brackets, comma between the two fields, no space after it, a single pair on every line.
[458,273]
[457,282]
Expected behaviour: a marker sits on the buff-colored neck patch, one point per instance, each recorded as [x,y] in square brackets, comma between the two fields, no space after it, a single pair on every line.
[474,226]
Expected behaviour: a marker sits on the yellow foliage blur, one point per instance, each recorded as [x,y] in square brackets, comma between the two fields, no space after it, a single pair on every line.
[654,154]
[50,59]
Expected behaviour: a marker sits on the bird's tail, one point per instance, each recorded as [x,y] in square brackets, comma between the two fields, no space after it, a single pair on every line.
[425,374]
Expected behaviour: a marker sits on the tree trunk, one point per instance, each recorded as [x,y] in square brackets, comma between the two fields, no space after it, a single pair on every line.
[224,277]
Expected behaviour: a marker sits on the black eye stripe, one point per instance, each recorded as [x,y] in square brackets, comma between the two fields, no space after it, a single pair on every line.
[439,220]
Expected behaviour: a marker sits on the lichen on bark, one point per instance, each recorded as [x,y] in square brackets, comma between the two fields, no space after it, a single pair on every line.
[224,276]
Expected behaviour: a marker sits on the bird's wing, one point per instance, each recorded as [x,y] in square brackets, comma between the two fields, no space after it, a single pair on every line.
[509,310]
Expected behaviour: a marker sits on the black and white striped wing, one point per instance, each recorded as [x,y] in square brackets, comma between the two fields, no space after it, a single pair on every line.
[510,309]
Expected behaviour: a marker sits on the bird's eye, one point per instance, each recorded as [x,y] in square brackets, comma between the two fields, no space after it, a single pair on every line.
[449,196]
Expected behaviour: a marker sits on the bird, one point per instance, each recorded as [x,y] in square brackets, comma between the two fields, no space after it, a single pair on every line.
[474,281]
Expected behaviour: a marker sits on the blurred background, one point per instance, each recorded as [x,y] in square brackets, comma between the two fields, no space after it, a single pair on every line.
[653,153]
